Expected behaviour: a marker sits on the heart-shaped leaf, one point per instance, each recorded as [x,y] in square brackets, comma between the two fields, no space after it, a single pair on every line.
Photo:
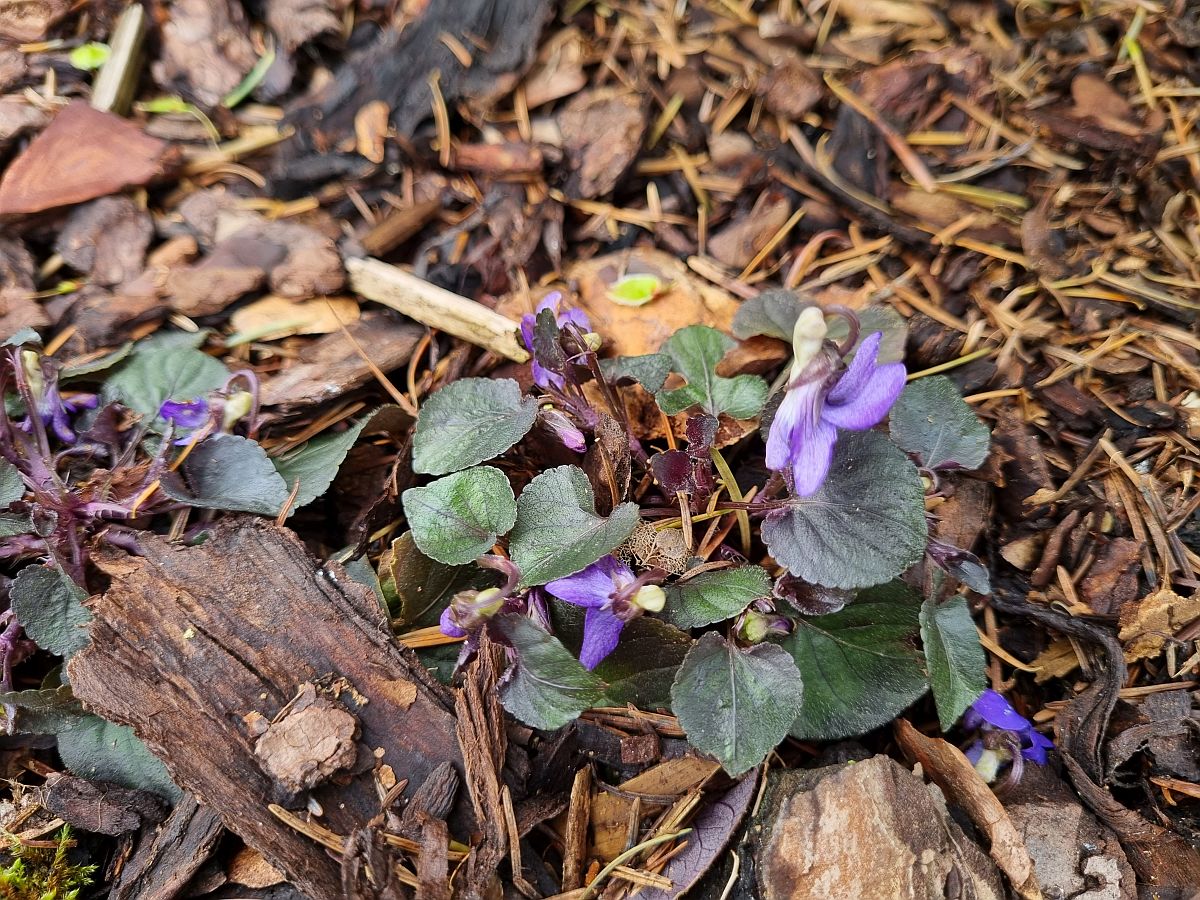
[468,422]
[641,669]
[95,749]
[151,377]
[546,686]
[956,659]
[458,518]
[418,588]
[50,606]
[715,596]
[558,532]
[735,703]
[864,526]
[650,370]
[932,421]
[232,473]
[12,486]
[695,352]
[860,666]
[316,462]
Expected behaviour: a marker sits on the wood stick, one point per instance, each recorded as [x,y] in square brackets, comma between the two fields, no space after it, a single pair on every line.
[117,79]
[436,307]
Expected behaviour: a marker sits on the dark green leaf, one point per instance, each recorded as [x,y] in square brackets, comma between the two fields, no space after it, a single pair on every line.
[151,377]
[97,365]
[12,524]
[558,532]
[102,751]
[641,669]
[715,596]
[860,666]
[468,422]
[932,421]
[695,352]
[864,526]
[230,473]
[418,587]
[956,659]
[884,319]
[317,461]
[50,606]
[650,370]
[734,703]
[772,313]
[12,487]
[458,518]
[42,711]
[546,686]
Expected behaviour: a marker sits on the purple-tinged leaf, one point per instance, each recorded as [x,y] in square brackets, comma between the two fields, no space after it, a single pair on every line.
[711,833]
[673,470]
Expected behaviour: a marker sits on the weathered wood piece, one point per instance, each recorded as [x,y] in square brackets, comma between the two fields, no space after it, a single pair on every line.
[167,857]
[207,650]
[870,829]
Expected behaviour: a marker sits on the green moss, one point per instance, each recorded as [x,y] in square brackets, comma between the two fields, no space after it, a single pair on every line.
[43,873]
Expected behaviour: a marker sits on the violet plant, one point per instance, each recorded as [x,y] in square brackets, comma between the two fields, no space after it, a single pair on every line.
[782,610]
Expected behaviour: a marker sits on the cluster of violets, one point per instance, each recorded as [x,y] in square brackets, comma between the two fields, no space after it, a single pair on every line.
[823,394]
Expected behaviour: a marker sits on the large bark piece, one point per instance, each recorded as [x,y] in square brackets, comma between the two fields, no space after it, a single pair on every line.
[206,651]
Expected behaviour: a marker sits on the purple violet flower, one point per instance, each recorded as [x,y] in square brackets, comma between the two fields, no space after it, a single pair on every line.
[542,376]
[820,399]
[612,596]
[185,414]
[563,429]
[53,409]
[991,713]
[469,611]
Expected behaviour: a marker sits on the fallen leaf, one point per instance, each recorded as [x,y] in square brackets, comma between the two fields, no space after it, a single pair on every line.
[30,20]
[1148,624]
[83,154]
[273,317]
[602,131]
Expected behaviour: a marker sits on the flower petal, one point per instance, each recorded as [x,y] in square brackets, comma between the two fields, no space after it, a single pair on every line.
[601,632]
[1039,744]
[855,377]
[576,317]
[551,302]
[527,322]
[590,588]
[868,407]
[811,462]
[448,626]
[798,408]
[993,709]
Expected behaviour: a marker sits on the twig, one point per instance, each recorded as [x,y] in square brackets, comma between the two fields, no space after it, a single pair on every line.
[436,307]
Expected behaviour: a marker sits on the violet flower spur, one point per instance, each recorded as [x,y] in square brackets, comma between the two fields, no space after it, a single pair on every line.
[820,400]
[612,596]
[542,376]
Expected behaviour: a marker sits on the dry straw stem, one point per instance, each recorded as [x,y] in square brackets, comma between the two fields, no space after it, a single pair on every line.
[436,307]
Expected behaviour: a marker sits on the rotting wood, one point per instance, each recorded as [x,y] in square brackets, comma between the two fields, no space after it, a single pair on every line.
[167,857]
[236,626]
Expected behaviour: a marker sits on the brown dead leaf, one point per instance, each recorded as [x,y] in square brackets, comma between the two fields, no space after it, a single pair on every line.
[370,129]
[81,155]
[1148,624]
[274,317]
[17,117]
[669,779]
[1056,661]
[602,131]
[559,69]
[106,239]
[737,243]
[296,22]
[206,48]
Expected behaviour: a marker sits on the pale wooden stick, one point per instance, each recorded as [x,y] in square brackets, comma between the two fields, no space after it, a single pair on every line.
[436,307]
[114,87]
